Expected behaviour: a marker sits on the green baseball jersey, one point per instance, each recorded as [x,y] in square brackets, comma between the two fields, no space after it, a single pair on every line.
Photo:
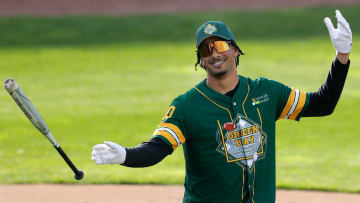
[229,143]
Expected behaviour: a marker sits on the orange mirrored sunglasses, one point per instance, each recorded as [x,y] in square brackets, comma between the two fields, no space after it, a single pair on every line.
[220,46]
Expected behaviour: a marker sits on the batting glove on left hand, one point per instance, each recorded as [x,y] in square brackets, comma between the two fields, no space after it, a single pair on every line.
[108,153]
[341,37]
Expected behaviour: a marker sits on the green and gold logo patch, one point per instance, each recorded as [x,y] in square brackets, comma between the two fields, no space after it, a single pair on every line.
[209,29]
[259,100]
[242,142]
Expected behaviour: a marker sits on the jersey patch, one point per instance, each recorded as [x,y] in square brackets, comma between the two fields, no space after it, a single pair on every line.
[244,140]
[209,29]
[261,99]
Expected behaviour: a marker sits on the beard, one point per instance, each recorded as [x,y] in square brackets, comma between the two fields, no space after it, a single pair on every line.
[217,74]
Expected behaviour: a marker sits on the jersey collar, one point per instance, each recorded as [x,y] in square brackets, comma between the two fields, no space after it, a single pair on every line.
[241,92]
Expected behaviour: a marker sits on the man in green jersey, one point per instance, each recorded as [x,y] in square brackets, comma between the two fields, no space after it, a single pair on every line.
[226,123]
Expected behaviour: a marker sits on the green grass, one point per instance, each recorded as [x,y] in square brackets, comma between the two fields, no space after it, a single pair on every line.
[112,78]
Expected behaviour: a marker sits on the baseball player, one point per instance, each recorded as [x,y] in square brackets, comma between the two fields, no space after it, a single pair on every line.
[226,123]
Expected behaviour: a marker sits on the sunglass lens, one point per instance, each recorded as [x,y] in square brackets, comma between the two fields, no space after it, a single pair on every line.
[221,46]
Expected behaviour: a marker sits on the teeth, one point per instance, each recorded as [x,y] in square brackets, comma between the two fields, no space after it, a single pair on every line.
[217,63]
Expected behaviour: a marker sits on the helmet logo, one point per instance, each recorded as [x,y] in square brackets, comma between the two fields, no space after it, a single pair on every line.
[209,29]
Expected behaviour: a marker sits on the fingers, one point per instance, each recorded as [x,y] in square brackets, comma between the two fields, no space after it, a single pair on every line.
[342,25]
[329,25]
[99,147]
[97,151]
[98,161]
[112,145]
[342,22]
[97,158]
[339,16]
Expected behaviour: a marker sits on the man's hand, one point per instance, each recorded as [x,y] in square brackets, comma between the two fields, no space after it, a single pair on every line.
[341,37]
[108,153]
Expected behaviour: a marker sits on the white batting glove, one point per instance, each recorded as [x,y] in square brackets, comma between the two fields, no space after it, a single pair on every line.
[108,153]
[341,37]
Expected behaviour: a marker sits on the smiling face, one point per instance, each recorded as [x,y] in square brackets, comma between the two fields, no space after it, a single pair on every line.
[219,64]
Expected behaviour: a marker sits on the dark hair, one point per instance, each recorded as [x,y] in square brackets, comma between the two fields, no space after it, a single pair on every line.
[198,62]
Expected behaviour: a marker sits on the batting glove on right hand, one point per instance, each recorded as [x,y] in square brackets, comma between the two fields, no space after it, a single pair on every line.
[341,37]
[108,153]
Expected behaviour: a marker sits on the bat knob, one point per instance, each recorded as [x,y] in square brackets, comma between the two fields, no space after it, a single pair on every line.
[79,175]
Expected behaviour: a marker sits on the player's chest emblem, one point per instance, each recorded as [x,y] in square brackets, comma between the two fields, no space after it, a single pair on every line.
[261,99]
[244,141]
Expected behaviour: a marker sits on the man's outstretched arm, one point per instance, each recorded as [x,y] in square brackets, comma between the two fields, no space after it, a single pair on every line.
[323,101]
[144,155]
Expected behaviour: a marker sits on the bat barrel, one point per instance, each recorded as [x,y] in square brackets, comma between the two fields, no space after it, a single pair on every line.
[26,106]
[78,174]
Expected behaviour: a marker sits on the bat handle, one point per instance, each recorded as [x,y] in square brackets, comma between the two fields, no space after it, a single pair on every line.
[78,174]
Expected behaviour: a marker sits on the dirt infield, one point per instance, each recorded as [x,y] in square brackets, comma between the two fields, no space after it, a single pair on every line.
[139,194]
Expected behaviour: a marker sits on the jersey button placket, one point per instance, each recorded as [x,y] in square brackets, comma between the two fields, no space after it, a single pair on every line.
[235,106]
